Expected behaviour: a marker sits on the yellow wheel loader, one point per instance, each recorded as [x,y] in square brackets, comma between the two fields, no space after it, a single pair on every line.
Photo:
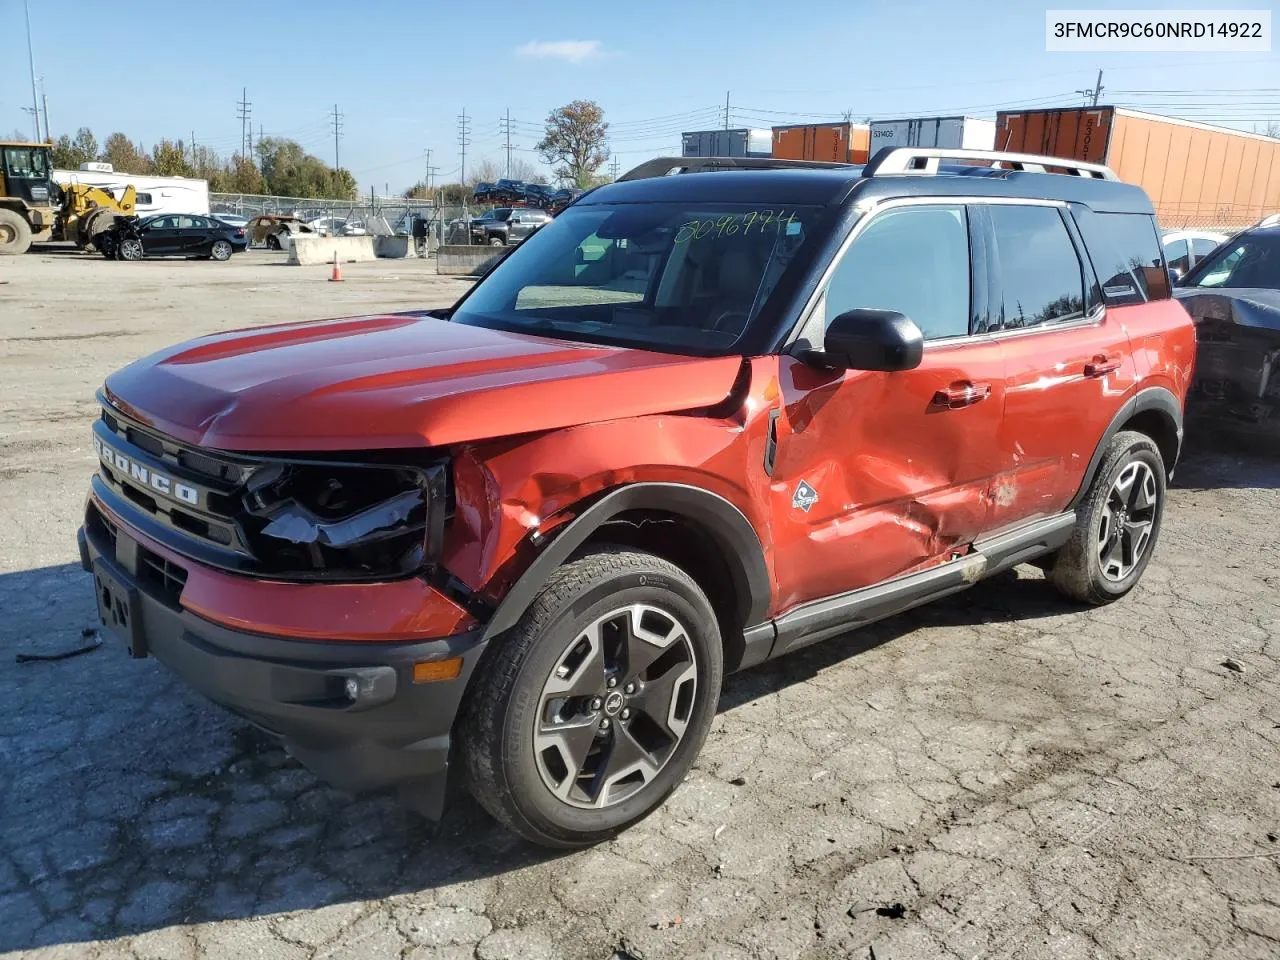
[33,207]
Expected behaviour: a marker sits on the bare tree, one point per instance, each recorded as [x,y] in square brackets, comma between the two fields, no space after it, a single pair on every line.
[486,171]
[522,169]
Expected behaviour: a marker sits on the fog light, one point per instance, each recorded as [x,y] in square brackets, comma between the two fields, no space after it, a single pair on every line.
[353,688]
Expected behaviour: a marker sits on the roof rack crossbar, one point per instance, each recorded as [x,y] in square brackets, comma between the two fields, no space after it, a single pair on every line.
[669,166]
[917,161]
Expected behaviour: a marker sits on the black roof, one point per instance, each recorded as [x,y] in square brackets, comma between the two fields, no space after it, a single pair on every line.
[838,184]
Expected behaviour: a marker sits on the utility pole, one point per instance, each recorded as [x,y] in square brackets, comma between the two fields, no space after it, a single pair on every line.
[1094,93]
[193,148]
[31,60]
[505,122]
[464,140]
[337,133]
[44,100]
[243,110]
[726,109]
[613,168]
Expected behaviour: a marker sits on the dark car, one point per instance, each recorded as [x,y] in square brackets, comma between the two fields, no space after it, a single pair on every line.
[695,423]
[1234,297]
[509,225]
[538,194]
[173,235]
[509,191]
[483,193]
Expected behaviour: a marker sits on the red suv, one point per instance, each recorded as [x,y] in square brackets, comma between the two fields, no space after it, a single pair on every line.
[711,413]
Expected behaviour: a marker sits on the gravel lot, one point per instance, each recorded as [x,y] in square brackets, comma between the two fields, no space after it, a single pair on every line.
[998,775]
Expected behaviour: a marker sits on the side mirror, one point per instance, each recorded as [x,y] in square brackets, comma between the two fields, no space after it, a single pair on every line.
[866,339]
[1176,273]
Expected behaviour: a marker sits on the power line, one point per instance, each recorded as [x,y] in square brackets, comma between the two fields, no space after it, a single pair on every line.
[337,135]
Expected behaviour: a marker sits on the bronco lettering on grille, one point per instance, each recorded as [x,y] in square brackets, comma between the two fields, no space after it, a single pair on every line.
[148,478]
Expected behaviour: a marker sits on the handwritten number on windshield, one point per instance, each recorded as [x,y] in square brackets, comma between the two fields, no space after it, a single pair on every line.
[728,226]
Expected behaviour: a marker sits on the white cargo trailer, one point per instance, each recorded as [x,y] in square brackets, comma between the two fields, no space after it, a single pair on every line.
[965,133]
[155,194]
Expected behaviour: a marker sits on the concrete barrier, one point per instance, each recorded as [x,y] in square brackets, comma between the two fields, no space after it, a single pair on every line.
[460,260]
[305,250]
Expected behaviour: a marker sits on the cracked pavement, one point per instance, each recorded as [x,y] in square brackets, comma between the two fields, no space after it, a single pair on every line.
[996,775]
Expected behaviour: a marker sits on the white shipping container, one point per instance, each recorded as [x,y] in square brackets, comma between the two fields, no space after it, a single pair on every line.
[949,133]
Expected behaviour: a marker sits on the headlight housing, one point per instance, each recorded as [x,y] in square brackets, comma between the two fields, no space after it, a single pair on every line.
[315,520]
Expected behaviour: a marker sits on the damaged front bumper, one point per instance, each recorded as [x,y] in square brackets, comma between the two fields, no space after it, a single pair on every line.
[361,715]
[1237,370]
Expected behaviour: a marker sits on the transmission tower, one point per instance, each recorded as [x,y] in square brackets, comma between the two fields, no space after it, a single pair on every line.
[464,140]
[337,134]
[504,123]
[243,111]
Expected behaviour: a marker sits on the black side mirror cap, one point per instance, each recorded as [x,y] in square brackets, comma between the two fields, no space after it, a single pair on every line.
[866,339]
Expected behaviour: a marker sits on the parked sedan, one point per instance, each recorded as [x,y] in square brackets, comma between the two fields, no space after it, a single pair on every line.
[231,219]
[1183,249]
[174,235]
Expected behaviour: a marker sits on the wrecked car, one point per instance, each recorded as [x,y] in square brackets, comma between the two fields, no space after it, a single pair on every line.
[1234,297]
[711,413]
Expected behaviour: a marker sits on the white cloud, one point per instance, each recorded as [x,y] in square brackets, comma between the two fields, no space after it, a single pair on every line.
[570,51]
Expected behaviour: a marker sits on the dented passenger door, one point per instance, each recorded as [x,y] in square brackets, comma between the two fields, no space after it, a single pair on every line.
[877,474]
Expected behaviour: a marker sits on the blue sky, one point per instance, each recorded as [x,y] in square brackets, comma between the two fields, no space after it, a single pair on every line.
[401,72]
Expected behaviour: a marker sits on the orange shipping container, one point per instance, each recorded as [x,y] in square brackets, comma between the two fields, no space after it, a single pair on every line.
[827,142]
[1196,174]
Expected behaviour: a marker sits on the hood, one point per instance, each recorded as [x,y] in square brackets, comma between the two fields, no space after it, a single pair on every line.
[397,381]
[1246,306]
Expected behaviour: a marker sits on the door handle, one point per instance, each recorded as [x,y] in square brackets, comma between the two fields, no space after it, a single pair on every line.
[962,394]
[1102,364]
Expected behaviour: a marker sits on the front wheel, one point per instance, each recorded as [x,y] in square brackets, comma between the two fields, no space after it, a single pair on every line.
[497,242]
[1117,523]
[591,710]
[221,250]
[130,249]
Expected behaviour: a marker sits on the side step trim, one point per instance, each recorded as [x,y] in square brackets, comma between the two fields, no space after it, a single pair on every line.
[822,619]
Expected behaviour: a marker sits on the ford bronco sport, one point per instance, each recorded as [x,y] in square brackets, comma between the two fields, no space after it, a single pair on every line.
[713,412]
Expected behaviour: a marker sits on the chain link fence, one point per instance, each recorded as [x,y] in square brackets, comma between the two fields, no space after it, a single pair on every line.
[1216,218]
[444,223]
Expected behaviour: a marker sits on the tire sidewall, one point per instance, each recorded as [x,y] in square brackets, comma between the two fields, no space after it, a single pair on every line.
[530,795]
[220,245]
[1140,449]
[130,246]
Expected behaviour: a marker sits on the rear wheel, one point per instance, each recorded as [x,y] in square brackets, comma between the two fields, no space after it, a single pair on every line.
[15,234]
[590,712]
[273,242]
[1117,524]
[221,250]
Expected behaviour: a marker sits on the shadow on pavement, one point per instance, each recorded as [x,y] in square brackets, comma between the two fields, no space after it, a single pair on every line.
[128,803]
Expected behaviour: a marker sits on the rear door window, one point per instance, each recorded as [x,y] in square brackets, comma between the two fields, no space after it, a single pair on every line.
[1178,255]
[1127,254]
[1041,276]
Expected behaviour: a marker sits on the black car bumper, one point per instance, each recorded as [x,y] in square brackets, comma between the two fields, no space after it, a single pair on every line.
[395,733]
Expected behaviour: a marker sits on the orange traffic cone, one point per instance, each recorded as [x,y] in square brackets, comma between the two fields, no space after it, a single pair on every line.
[337,270]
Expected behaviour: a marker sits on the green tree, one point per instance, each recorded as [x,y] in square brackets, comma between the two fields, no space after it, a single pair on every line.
[68,154]
[574,141]
[120,152]
[169,159]
[241,176]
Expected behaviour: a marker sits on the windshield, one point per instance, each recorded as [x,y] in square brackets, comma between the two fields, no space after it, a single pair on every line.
[26,163]
[1250,261]
[675,277]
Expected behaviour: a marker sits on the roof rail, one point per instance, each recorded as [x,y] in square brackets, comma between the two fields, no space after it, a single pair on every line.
[668,166]
[1271,221]
[899,161]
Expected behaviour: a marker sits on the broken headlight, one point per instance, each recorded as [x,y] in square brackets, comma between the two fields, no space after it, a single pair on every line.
[352,521]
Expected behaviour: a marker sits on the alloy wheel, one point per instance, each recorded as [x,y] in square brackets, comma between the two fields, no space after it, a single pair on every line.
[131,249]
[221,250]
[1128,519]
[615,707]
